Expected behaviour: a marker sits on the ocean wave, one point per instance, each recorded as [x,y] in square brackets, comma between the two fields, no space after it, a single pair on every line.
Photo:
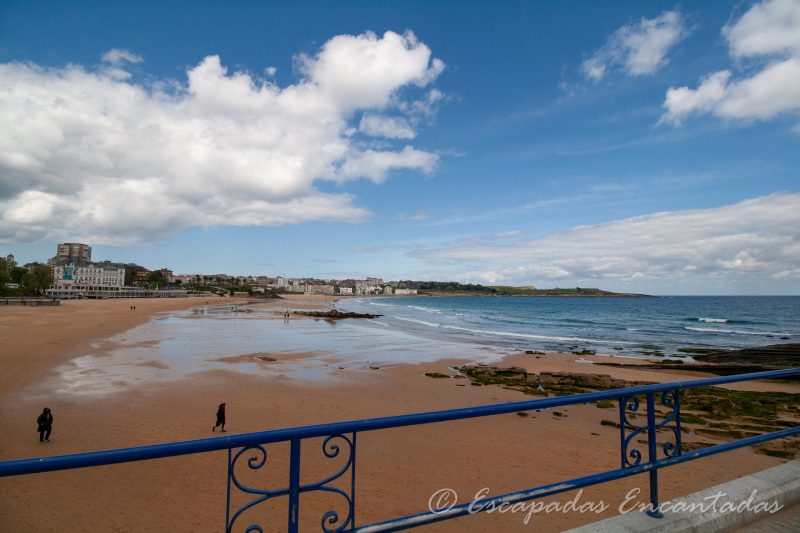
[425,309]
[509,333]
[384,324]
[380,304]
[719,320]
[423,322]
[740,332]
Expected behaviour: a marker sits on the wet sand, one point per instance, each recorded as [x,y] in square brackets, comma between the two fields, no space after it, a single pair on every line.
[398,469]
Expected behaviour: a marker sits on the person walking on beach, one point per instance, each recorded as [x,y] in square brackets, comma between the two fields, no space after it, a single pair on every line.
[45,422]
[220,418]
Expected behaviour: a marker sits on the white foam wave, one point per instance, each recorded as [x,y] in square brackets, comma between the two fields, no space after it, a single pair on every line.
[423,322]
[739,332]
[425,309]
[493,333]
[384,324]
[718,320]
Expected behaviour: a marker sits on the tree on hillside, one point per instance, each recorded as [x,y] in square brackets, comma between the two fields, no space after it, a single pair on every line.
[157,277]
[17,273]
[131,270]
[4,275]
[38,279]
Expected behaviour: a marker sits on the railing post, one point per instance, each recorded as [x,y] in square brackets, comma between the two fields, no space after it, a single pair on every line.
[622,401]
[228,503]
[652,455]
[294,486]
[353,485]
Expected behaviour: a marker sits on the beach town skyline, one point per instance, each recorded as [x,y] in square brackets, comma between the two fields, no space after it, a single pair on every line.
[128,274]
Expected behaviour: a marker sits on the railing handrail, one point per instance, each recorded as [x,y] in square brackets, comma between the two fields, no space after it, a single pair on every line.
[157,451]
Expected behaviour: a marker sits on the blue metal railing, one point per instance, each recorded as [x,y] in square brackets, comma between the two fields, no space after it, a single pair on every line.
[342,435]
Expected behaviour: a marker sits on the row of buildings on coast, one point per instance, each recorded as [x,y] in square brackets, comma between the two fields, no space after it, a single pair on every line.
[345,287]
[75,275]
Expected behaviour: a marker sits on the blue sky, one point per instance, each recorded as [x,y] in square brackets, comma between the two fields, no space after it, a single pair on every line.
[634,146]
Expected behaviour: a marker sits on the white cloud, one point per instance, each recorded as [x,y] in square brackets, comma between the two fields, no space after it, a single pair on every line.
[376,164]
[117,56]
[386,126]
[92,154]
[364,71]
[769,32]
[639,48]
[771,27]
[754,238]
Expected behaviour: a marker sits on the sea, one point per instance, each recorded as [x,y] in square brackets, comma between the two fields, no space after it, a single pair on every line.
[638,327]
[422,329]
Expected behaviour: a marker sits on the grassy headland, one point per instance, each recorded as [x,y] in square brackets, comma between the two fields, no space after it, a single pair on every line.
[452,288]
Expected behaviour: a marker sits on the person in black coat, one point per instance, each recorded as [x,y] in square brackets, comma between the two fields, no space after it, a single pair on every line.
[220,418]
[45,422]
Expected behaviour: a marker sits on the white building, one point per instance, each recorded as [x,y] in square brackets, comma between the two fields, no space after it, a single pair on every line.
[367,286]
[89,277]
[405,292]
[321,289]
[345,290]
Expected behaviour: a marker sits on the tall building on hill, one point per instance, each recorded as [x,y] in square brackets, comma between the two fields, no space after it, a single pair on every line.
[80,253]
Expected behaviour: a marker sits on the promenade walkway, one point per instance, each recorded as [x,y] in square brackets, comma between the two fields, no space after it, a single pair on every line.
[777,485]
[785,521]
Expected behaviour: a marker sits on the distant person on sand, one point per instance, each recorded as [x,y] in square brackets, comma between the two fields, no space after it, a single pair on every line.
[45,422]
[220,418]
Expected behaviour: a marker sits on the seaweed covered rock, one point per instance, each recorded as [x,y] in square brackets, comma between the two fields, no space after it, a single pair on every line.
[334,314]
[774,355]
[520,379]
[589,381]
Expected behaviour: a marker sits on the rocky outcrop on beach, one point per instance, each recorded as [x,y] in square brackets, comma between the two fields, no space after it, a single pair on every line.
[772,356]
[531,383]
[334,314]
[590,381]
[713,413]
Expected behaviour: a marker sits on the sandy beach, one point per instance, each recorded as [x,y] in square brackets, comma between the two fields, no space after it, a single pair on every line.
[398,469]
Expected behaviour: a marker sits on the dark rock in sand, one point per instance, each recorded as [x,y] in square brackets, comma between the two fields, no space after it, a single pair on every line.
[516,377]
[774,355]
[592,381]
[334,314]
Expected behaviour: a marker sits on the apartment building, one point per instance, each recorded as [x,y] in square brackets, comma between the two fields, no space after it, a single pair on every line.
[66,251]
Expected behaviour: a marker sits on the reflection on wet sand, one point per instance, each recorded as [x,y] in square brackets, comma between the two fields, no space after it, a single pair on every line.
[246,338]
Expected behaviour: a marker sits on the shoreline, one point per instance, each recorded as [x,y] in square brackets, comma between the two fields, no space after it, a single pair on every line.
[401,468]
